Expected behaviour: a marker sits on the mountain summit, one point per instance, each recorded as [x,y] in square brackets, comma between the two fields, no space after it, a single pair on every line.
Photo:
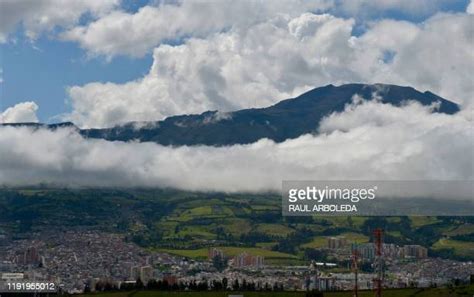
[285,120]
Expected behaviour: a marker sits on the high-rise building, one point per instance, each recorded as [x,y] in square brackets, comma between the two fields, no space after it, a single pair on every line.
[366,251]
[146,273]
[134,273]
[415,251]
[29,257]
[214,252]
[337,242]
[247,260]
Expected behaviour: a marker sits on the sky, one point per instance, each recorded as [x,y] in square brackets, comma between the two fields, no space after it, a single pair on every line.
[105,63]
[67,64]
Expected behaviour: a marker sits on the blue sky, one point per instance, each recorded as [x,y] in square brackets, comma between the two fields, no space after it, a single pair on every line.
[42,70]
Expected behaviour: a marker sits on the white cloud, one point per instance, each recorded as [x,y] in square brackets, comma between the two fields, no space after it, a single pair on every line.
[435,56]
[21,112]
[367,141]
[39,16]
[470,7]
[151,25]
[281,57]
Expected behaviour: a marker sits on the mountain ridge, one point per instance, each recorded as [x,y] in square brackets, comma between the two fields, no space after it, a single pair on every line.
[284,120]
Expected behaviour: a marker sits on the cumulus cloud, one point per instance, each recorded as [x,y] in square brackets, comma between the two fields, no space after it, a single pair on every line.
[152,25]
[367,141]
[39,16]
[282,57]
[434,56]
[21,112]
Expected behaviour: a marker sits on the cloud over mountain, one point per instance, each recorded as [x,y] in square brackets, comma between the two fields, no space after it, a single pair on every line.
[280,57]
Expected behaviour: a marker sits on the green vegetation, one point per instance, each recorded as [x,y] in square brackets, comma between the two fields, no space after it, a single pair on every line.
[418,221]
[274,229]
[460,248]
[230,252]
[316,242]
[461,230]
[355,237]
[187,223]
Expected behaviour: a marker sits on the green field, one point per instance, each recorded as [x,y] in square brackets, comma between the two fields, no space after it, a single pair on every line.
[460,230]
[229,252]
[316,242]
[274,229]
[461,248]
[423,221]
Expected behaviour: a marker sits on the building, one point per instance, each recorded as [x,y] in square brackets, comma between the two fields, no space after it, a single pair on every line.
[337,242]
[6,266]
[12,276]
[326,283]
[365,251]
[29,257]
[317,281]
[415,251]
[247,260]
[146,273]
[134,273]
[170,279]
[214,252]
[391,251]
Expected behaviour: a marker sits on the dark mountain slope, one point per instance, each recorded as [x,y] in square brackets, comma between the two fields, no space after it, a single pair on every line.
[285,120]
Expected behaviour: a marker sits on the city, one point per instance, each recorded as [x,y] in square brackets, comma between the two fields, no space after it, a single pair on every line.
[82,261]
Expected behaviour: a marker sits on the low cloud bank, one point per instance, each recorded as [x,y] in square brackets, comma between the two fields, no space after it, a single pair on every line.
[369,140]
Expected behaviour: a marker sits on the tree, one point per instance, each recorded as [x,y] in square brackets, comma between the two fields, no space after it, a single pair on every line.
[224,283]
[236,285]
[219,262]
[244,285]
[87,288]
[139,284]
[152,284]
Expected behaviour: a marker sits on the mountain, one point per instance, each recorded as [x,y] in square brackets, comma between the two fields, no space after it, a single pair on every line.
[285,120]
[43,126]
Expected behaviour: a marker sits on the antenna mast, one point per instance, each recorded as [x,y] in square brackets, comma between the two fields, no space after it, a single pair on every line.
[355,268]
[378,265]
